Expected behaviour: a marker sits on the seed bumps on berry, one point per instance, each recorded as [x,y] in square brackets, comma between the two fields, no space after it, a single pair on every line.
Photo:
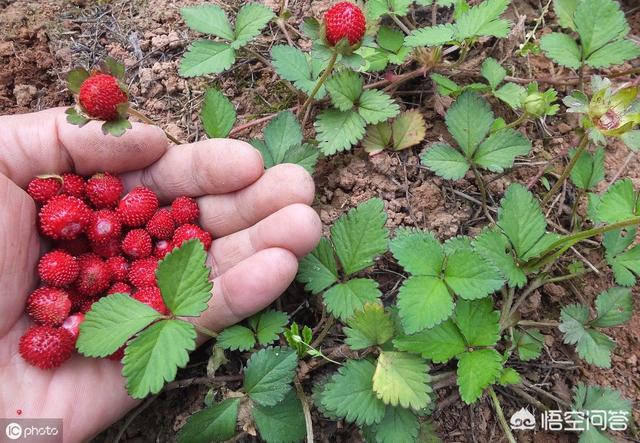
[49,306]
[64,217]
[137,207]
[344,20]
[46,347]
[104,190]
[58,268]
[101,95]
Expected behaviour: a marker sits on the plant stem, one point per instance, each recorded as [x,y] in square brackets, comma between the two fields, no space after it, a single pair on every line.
[565,277]
[205,331]
[400,24]
[549,323]
[501,419]
[140,116]
[517,121]
[442,376]
[506,307]
[584,141]
[483,193]
[305,409]
[535,284]
[325,75]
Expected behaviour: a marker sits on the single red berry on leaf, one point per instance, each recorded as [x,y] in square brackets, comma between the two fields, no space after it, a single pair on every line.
[44,189]
[151,296]
[46,347]
[100,96]
[104,226]
[137,244]
[72,324]
[143,272]
[344,20]
[73,185]
[94,276]
[48,306]
[137,207]
[58,268]
[120,288]
[185,210]
[162,248]
[188,232]
[161,225]
[119,267]
[64,217]
[104,190]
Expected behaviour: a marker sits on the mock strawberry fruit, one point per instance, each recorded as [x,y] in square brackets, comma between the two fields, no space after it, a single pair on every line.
[104,226]
[143,272]
[46,347]
[58,268]
[120,288]
[137,207]
[185,210]
[344,20]
[162,248]
[48,306]
[104,190]
[188,232]
[100,96]
[161,225]
[87,304]
[64,217]
[94,276]
[72,325]
[43,189]
[137,244]
[108,249]
[151,296]
[73,185]
[77,300]
[119,267]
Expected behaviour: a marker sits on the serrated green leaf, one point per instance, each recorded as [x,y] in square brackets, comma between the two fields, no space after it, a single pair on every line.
[184,281]
[236,338]
[338,131]
[618,203]
[281,133]
[439,344]
[374,9]
[494,247]
[631,139]
[478,322]
[282,423]
[615,242]
[250,21]
[375,106]
[344,299]
[469,121]
[598,398]
[432,36]
[596,30]
[206,57]
[344,88]
[614,306]
[208,19]
[493,72]
[295,66]
[564,10]
[154,356]
[423,302]
[509,376]
[217,423]
[390,39]
[377,138]
[419,252]
[401,379]
[528,343]
[116,127]
[445,161]
[218,114]
[318,270]
[500,149]
[445,85]
[111,321]
[269,373]
[399,425]
[626,266]
[369,327]
[408,129]
[360,236]
[562,49]
[483,19]
[511,94]
[349,394]
[469,276]
[589,169]
[268,324]
[375,59]
[614,53]
[477,371]
[74,118]
[593,346]
[75,77]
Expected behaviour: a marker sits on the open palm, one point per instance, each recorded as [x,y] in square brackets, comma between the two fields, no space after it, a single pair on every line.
[260,221]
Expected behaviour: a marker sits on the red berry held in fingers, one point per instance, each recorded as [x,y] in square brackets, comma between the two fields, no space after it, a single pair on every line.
[151,296]
[161,225]
[344,20]
[64,217]
[143,272]
[188,232]
[94,276]
[104,226]
[58,268]
[108,249]
[72,324]
[100,96]
[120,288]
[73,185]
[48,306]
[104,190]
[46,347]
[137,244]
[137,207]
[119,267]
[43,189]
[185,210]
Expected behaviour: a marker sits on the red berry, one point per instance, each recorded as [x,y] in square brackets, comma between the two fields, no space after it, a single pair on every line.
[151,296]
[58,268]
[104,190]
[143,272]
[87,304]
[72,324]
[100,96]
[137,244]
[162,248]
[119,267]
[44,189]
[185,210]
[109,249]
[94,275]
[188,232]
[48,306]
[46,347]
[120,288]
[161,225]
[64,217]
[104,226]
[137,207]
[75,247]
[73,185]
[344,20]
[77,300]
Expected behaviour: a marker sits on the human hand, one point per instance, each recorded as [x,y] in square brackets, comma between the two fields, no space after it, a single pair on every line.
[260,221]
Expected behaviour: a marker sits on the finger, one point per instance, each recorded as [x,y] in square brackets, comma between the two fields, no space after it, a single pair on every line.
[296,228]
[44,142]
[249,287]
[207,167]
[280,186]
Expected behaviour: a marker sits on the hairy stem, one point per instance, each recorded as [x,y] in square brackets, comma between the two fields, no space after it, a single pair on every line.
[517,121]
[305,409]
[140,116]
[325,75]
[584,141]
[483,192]
[400,24]
[547,323]
[501,419]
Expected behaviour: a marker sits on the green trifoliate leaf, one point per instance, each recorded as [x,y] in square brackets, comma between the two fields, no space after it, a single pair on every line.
[493,72]
[390,39]
[494,247]
[483,19]
[218,114]
[500,149]
[617,204]
[477,371]
[116,127]
[509,376]
[318,270]
[478,322]
[564,10]
[445,161]
[528,343]
[268,324]
[615,242]
[344,89]
[439,344]
[282,423]
[269,374]
[154,356]
[399,425]
[369,327]
[419,252]
[377,138]
[626,266]
[408,129]
[217,423]
[596,30]
[470,276]
[614,307]
[282,132]
[423,302]
[111,321]
[469,121]
[360,236]
[183,279]
[589,169]
[208,19]
[339,130]
[206,57]
[250,21]
[614,53]
[593,346]
[236,338]
[598,398]
[349,394]
[432,36]
[294,65]
[401,379]
[344,299]
[562,49]
[375,106]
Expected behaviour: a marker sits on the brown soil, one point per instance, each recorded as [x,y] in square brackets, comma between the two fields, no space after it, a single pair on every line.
[42,40]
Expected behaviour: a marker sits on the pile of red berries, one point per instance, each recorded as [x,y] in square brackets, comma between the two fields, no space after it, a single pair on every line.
[102,244]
